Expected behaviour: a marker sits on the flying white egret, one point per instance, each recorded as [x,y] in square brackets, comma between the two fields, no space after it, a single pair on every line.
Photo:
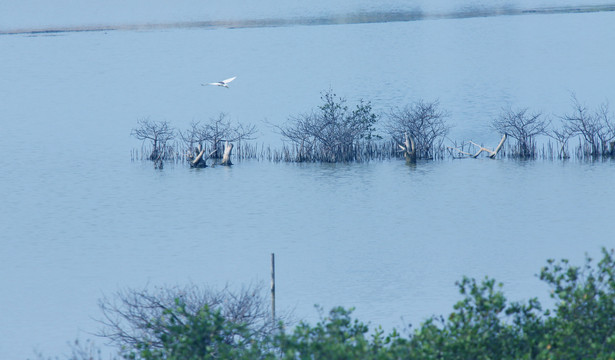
[222,83]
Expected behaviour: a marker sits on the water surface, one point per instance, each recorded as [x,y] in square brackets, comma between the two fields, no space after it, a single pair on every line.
[80,220]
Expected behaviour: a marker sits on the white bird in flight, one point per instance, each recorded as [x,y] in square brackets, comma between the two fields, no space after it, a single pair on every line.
[222,83]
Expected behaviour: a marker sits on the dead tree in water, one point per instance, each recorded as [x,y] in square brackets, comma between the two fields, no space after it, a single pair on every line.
[423,123]
[332,132]
[226,158]
[215,132]
[200,160]
[561,136]
[409,149]
[158,133]
[597,129]
[523,127]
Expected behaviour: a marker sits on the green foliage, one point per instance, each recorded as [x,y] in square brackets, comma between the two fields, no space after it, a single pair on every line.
[205,335]
[483,325]
[344,124]
[583,325]
[338,336]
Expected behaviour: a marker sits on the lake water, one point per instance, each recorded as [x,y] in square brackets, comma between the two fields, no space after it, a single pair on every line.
[79,219]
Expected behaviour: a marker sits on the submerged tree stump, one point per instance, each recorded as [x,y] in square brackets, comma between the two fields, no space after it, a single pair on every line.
[199,162]
[409,149]
[226,158]
[158,163]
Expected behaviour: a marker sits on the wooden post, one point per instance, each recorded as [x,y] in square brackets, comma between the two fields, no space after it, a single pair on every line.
[273,287]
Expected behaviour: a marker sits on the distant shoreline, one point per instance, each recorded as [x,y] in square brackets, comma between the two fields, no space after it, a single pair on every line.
[352,18]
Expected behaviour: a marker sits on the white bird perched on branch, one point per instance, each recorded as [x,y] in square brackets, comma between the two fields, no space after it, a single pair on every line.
[222,83]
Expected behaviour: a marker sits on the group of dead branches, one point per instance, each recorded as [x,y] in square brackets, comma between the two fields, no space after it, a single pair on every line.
[203,140]
[336,132]
[129,316]
[159,134]
[419,129]
[332,132]
[595,129]
[214,133]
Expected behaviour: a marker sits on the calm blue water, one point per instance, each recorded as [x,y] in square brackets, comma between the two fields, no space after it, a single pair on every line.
[79,219]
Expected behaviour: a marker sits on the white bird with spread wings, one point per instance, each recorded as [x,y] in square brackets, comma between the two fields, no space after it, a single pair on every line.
[222,83]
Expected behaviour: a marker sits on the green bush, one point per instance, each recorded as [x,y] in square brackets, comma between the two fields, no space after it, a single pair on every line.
[483,325]
[197,336]
[583,322]
[335,337]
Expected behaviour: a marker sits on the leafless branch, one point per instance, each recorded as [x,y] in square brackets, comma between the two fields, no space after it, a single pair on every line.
[215,132]
[523,127]
[423,122]
[129,316]
[158,133]
[597,129]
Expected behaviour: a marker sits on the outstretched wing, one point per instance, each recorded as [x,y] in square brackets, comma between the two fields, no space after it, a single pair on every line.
[228,80]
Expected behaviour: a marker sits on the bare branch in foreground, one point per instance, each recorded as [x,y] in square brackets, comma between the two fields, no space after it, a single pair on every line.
[129,316]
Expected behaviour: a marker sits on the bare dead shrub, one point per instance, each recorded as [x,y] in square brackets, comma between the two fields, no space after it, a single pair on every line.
[129,316]
[424,122]
[522,126]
